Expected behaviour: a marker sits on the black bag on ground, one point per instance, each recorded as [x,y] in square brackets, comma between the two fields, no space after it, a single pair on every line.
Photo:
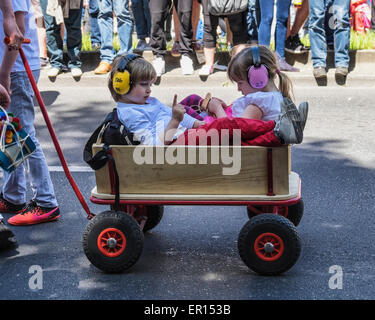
[110,132]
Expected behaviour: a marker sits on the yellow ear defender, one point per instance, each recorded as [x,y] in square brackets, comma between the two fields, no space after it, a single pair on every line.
[121,81]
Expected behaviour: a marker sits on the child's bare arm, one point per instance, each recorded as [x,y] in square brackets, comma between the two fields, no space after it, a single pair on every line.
[9,24]
[252,112]
[10,56]
[216,106]
[178,112]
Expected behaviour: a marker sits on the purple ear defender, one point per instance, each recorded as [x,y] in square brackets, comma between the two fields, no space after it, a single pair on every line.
[258,73]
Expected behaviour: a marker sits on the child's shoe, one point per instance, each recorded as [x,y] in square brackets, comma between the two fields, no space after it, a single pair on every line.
[8,207]
[289,126]
[34,214]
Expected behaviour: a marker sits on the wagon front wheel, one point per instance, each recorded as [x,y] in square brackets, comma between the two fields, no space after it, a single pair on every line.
[269,244]
[113,241]
[154,216]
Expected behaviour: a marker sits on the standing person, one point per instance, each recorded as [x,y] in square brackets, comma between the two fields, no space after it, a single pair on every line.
[43,207]
[159,12]
[142,19]
[70,15]
[42,38]
[264,36]
[94,26]
[341,34]
[238,27]
[7,238]
[253,20]
[293,43]
[124,27]
[195,13]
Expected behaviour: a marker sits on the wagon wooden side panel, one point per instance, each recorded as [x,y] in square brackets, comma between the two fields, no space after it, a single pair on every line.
[188,170]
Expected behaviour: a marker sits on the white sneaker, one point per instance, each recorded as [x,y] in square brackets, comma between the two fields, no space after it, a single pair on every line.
[206,70]
[186,65]
[53,72]
[159,66]
[76,72]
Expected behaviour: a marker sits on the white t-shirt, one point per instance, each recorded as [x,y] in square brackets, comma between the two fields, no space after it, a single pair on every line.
[32,49]
[268,102]
[148,120]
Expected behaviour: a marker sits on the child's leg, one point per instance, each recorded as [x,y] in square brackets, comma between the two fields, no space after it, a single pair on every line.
[268,139]
[189,102]
[192,100]
[251,131]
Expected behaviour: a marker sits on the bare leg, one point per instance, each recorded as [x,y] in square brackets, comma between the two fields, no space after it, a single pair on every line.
[176,24]
[196,10]
[301,15]
[209,55]
[229,32]
[41,37]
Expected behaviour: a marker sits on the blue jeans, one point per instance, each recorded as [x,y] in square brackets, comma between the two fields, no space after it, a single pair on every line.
[282,13]
[14,187]
[124,26]
[94,26]
[73,40]
[339,23]
[142,18]
[252,20]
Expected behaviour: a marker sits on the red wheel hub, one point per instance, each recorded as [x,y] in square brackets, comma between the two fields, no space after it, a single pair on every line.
[111,242]
[269,246]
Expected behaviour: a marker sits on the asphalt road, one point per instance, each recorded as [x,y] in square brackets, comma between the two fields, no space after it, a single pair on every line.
[192,253]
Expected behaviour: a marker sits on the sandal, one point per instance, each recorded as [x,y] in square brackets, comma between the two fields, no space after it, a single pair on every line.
[205,102]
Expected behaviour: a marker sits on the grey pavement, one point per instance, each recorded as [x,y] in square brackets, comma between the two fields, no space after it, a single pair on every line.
[192,253]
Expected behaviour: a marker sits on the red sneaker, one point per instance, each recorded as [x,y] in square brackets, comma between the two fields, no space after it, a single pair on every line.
[8,207]
[34,214]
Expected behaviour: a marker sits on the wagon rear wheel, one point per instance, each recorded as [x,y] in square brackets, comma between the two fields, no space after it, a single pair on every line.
[113,241]
[269,244]
[293,214]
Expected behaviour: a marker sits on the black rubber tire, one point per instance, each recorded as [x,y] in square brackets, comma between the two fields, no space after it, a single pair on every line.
[134,241]
[295,212]
[269,223]
[154,216]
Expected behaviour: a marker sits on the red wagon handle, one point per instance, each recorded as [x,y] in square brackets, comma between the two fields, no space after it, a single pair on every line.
[7,40]
[52,132]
